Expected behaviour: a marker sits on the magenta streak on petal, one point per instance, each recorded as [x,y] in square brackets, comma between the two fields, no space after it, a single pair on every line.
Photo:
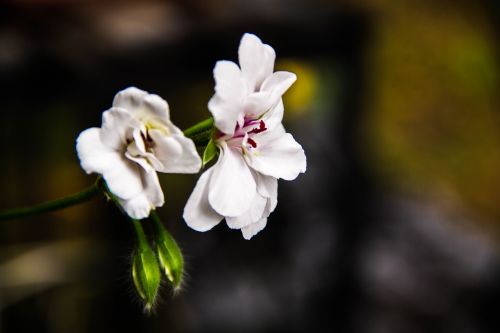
[238,132]
[249,122]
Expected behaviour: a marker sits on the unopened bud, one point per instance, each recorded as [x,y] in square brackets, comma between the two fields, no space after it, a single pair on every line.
[169,253]
[145,270]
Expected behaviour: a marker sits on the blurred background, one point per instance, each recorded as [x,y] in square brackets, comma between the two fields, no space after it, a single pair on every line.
[395,226]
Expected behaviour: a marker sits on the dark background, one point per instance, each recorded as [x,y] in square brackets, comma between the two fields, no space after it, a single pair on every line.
[393,228]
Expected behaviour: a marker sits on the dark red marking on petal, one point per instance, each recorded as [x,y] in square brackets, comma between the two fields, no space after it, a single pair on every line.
[252,142]
[260,129]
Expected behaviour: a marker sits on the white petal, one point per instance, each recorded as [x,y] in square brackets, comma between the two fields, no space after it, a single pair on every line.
[156,108]
[256,60]
[251,230]
[116,124]
[94,155]
[258,103]
[232,186]
[124,179]
[137,207]
[229,84]
[129,99]
[230,89]
[197,213]
[267,186]
[140,205]
[148,108]
[122,176]
[152,189]
[280,157]
[143,162]
[176,153]
[254,214]
[226,115]
[273,117]
[139,146]
[278,83]
[150,197]
[269,97]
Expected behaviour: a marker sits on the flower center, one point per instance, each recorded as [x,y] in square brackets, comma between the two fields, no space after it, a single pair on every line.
[141,149]
[148,141]
[251,129]
[255,130]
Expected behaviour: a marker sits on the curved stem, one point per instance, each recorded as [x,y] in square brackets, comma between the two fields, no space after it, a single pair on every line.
[53,205]
[156,221]
[201,133]
[202,126]
[139,233]
[161,231]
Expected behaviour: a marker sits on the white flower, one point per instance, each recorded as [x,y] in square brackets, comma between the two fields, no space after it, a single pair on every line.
[136,139]
[255,150]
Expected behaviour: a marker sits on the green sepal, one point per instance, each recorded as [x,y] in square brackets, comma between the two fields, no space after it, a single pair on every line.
[210,152]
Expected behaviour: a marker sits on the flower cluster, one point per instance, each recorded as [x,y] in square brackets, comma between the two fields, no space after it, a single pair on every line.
[137,140]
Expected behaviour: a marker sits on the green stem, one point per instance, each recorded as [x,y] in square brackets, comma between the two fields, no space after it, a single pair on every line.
[139,232]
[160,229]
[201,133]
[202,126]
[111,196]
[53,205]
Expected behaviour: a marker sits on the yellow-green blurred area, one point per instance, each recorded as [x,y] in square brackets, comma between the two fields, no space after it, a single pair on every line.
[433,114]
[395,226]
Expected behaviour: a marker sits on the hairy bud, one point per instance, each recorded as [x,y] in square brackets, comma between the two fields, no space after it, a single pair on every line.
[145,270]
[169,253]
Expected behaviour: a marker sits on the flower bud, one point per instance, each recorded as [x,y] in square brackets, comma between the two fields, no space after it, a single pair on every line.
[169,253]
[145,270]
